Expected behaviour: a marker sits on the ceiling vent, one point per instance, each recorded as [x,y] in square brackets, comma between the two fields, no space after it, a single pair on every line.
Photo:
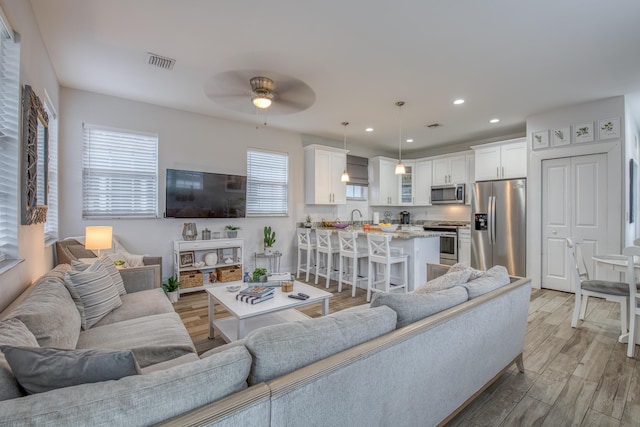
[434,125]
[160,61]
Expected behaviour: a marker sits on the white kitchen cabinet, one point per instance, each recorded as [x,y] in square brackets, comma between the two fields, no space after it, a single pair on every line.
[450,170]
[188,255]
[323,169]
[470,178]
[383,182]
[501,160]
[464,245]
[406,184]
[422,177]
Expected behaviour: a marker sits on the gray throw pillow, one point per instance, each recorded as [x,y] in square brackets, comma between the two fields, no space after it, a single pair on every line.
[93,292]
[12,332]
[111,268]
[413,307]
[40,369]
[474,273]
[446,281]
[494,278]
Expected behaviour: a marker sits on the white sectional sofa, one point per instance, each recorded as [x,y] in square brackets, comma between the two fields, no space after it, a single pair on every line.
[355,367]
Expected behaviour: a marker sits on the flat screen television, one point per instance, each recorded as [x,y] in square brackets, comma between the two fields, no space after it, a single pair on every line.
[192,194]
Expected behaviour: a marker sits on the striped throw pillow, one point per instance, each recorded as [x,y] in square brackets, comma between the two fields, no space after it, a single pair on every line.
[111,268]
[93,292]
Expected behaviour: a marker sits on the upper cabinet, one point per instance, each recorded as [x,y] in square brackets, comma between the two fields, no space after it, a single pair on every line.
[501,160]
[450,170]
[323,170]
[422,177]
[383,182]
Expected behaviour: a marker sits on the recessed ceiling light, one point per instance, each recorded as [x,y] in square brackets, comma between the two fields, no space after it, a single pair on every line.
[458,101]
[409,140]
[369,129]
[494,120]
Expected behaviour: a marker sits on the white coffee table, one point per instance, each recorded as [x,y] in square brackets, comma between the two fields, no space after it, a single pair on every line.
[246,317]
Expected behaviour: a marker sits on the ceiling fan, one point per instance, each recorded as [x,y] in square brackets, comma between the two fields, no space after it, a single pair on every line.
[246,90]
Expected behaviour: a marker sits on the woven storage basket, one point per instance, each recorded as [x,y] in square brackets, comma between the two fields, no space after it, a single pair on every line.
[229,274]
[191,279]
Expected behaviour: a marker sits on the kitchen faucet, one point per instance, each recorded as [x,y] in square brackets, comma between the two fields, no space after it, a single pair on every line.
[354,211]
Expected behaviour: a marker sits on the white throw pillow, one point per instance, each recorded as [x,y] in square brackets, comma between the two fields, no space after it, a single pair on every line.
[109,266]
[474,273]
[93,292]
[446,281]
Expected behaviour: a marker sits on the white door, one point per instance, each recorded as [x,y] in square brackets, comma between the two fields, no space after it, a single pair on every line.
[574,203]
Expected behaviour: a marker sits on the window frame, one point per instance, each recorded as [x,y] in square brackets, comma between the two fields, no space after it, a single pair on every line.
[284,211]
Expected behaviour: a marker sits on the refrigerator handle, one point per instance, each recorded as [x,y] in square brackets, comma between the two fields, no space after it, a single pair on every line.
[490,219]
[493,219]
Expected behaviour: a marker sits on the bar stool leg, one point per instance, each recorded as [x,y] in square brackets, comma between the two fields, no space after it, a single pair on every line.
[329,267]
[369,279]
[308,264]
[406,277]
[354,274]
[340,272]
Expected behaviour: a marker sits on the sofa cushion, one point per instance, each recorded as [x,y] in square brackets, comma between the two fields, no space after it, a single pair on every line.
[446,281]
[474,273]
[153,339]
[494,278]
[280,349]
[413,307]
[138,304]
[93,292]
[138,400]
[191,357]
[12,332]
[42,369]
[79,251]
[49,311]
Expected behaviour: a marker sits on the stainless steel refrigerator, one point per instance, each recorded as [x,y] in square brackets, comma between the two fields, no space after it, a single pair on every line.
[498,225]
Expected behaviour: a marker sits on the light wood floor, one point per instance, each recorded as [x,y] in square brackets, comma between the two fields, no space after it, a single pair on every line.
[578,377]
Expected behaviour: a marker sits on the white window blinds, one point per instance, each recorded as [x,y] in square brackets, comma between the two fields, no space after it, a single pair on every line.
[119,173]
[51,225]
[9,114]
[267,183]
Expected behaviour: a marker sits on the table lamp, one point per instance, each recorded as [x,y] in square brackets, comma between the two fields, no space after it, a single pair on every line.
[98,237]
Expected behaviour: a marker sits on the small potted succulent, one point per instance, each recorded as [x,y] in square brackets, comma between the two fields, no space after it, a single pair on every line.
[259,275]
[269,240]
[232,231]
[307,222]
[172,288]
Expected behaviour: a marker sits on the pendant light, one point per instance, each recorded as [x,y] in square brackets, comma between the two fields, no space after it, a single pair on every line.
[400,169]
[345,175]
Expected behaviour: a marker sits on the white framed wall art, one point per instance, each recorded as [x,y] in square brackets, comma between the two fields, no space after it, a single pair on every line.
[583,132]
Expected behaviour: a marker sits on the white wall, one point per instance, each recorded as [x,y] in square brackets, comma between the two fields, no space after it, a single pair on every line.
[186,141]
[568,116]
[35,70]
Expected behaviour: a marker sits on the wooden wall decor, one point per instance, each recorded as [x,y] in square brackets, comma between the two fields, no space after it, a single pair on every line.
[34,120]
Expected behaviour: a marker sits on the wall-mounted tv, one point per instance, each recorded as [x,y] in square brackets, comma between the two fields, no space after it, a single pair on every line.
[193,194]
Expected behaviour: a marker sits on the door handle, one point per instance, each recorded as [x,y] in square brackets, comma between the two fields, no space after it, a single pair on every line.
[554,232]
[503,171]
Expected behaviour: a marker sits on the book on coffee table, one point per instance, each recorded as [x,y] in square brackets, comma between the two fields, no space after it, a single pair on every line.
[254,299]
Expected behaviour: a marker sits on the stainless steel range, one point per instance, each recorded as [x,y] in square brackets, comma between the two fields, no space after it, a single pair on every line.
[448,239]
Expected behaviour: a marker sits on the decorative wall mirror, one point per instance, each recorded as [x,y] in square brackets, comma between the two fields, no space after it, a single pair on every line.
[35,158]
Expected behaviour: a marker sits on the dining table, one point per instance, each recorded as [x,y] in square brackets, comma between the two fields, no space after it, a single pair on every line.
[619,263]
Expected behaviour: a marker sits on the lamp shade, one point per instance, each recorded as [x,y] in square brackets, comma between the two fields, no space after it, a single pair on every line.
[98,237]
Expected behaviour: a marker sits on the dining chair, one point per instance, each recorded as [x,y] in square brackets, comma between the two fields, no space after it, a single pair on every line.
[350,255]
[307,243]
[634,296]
[586,287]
[382,255]
[325,250]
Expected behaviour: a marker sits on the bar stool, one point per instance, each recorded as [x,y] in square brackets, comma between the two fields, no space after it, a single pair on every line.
[349,250]
[306,242]
[324,246]
[381,254]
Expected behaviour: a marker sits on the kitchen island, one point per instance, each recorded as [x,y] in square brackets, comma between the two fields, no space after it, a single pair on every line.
[422,247]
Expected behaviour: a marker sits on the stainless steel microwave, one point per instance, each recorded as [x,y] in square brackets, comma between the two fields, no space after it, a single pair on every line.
[447,194]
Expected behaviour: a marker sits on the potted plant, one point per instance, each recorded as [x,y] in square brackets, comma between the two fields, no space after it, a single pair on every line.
[307,222]
[171,288]
[269,240]
[232,231]
[258,274]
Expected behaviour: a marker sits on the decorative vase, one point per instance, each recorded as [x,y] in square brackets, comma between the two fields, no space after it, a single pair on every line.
[173,296]
[307,225]
[232,234]
[189,231]
[211,258]
[268,250]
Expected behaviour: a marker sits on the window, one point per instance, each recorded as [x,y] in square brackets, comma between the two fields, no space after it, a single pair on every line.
[9,163]
[119,173]
[356,192]
[51,225]
[267,183]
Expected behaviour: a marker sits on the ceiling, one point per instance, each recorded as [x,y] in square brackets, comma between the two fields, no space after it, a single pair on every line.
[507,59]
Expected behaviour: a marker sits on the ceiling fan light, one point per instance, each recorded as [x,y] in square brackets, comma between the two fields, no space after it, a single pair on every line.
[261,101]
[400,170]
[345,177]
